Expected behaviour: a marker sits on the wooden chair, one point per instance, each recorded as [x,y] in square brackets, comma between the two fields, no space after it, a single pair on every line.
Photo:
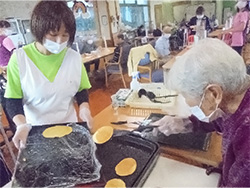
[6,136]
[139,61]
[146,71]
[114,68]
[7,127]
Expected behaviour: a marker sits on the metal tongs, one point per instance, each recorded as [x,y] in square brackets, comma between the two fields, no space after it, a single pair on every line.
[143,123]
[137,131]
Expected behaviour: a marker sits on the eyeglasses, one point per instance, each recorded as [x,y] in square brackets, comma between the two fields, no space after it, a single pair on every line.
[152,97]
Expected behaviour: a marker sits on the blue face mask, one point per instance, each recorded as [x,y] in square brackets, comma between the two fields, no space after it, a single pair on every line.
[197,112]
[54,47]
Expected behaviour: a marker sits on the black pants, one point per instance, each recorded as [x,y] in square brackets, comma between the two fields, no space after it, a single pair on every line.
[238,49]
[96,62]
[4,172]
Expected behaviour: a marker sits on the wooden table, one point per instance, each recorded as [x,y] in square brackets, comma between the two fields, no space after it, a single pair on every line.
[198,158]
[167,66]
[104,52]
[170,63]
[215,34]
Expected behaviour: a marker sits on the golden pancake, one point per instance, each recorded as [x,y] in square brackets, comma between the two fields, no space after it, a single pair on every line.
[103,134]
[57,131]
[126,167]
[115,183]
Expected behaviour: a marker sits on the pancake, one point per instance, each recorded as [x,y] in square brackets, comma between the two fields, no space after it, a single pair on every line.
[115,183]
[57,131]
[126,167]
[103,134]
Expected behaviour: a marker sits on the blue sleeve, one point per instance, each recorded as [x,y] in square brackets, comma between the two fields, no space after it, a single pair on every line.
[145,60]
[159,47]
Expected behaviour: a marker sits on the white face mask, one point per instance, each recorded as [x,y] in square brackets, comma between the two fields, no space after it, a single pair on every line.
[197,112]
[167,35]
[7,32]
[200,16]
[54,47]
[90,41]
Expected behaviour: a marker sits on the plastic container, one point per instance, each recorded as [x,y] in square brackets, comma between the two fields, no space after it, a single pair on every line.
[134,84]
[159,89]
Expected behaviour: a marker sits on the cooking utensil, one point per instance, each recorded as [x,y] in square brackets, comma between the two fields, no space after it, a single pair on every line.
[136,131]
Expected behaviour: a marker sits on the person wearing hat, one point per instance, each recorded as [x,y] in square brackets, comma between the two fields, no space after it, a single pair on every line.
[239,27]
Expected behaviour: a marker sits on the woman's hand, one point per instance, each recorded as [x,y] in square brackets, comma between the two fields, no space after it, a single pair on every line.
[85,115]
[173,125]
[20,137]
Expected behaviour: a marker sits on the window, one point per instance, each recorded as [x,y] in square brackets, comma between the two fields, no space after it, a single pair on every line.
[130,1]
[134,12]
[85,22]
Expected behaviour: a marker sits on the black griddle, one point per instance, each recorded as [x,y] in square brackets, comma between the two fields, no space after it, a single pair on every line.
[109,154]
[190,141]
[145,152]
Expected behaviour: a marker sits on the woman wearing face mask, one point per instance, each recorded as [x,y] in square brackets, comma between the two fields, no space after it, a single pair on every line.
[162,44]
[217,89]
[6,44]
[45,77]
[199,16]
[239,27]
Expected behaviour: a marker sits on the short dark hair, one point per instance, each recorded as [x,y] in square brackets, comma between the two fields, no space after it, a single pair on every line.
[48,16]
[120,36]
[200,10]
[4,24]
[157,33]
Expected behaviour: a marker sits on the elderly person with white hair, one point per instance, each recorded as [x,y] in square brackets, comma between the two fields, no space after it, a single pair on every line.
[212,78]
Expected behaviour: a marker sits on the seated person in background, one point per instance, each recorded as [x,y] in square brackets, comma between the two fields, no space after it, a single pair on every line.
[199,16]
[141,31]
[87,47]
[156,33]
[157,74]
[120,42]
[162,44]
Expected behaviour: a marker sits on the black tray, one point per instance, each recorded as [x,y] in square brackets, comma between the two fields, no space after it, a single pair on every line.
[194,141]
[57,162]
[145,152]
[109,154]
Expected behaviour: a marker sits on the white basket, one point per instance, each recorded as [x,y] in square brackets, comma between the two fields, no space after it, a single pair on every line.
[159,90]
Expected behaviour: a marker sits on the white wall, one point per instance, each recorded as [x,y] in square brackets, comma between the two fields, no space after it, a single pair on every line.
[152,3]
[113,13]
[180,11]
[18,9]
[103,19]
